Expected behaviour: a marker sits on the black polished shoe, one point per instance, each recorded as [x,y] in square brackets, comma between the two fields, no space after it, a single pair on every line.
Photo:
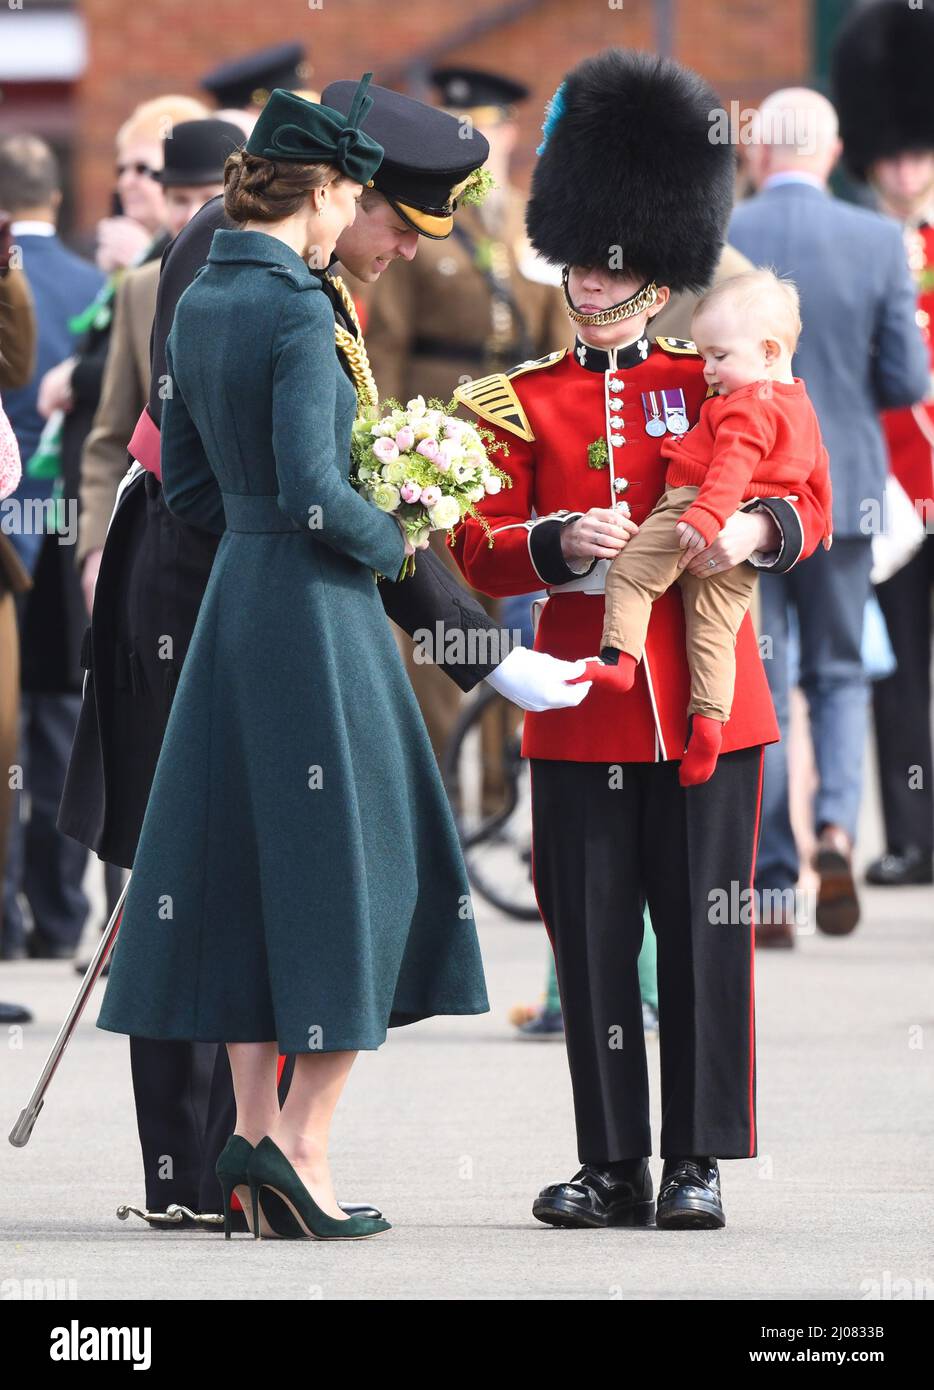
[618,1194]
[14,1013]
[896,868]
[689,1196]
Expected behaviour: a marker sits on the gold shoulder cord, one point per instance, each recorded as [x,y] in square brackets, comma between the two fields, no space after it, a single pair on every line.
[354,349]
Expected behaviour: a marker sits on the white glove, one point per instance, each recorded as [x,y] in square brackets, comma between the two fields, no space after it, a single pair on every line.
[536,681]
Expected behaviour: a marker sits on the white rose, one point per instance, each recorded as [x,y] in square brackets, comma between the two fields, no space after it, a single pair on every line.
[445,514]
[494,484]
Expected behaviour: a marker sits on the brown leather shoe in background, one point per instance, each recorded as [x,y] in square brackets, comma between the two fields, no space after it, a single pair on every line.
[837,903]
[776,935]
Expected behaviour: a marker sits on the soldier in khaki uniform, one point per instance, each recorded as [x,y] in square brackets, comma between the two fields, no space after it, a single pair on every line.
[472,304]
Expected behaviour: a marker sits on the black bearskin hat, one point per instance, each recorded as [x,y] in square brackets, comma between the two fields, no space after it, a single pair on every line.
[882,81]
[629,161]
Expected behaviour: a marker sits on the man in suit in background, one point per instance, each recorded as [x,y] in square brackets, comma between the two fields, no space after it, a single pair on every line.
[881,72]
[860,352]
[44,864]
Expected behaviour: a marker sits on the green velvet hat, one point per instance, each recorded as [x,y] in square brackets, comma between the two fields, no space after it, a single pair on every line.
[289,127]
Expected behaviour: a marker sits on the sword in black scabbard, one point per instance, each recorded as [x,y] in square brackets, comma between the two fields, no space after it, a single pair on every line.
[19,1134]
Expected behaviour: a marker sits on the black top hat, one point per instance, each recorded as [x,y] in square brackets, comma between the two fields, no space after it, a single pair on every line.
[470,89]
[196,152]
[629,170]
[428,155]
[248,81]
[882,82]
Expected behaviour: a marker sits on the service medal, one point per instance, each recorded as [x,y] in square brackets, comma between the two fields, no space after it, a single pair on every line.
[654,424]
[676,411]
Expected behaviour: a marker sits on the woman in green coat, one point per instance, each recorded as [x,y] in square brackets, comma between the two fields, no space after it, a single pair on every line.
[298,886]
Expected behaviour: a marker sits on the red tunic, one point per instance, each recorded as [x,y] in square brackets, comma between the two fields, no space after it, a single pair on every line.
[909,432]
[566,408]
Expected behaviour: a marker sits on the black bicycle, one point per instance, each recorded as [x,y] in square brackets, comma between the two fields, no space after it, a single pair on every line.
[488,785]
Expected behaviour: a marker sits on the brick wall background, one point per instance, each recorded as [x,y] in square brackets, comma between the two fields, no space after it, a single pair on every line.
[146,47]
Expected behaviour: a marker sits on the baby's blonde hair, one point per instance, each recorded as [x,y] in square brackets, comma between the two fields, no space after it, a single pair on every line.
[770,301]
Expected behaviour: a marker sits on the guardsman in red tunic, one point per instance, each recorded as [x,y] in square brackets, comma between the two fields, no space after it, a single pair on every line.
[612,826]
[884,93]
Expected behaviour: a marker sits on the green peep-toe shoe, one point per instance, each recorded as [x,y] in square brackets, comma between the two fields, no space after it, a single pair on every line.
[271,1175]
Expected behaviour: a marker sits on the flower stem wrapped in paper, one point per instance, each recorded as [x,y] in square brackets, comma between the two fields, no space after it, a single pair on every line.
[426,466]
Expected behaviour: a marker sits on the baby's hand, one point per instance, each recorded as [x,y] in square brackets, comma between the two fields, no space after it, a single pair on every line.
[691,539]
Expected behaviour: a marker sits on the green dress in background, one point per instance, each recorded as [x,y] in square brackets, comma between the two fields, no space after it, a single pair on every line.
[298,876]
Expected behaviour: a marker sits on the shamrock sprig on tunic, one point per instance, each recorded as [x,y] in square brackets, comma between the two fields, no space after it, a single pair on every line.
[598,456]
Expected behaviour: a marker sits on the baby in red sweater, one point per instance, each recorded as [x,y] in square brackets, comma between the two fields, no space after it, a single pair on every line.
[757,437]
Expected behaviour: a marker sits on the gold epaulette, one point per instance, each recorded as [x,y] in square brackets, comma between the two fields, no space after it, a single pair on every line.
[679,346]
[493,397]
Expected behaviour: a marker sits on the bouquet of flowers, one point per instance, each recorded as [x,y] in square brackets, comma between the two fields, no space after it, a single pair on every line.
[425,465]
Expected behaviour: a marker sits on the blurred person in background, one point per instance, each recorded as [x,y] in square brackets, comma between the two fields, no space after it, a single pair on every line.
[244,83]
[54,618]
[40,862]
[882,70]
[17,364]
[860,351]
[192,172]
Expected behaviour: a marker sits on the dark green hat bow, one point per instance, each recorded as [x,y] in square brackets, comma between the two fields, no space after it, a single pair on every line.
[289,127]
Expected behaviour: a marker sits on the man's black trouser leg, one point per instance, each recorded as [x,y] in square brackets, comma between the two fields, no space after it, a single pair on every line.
[600,851]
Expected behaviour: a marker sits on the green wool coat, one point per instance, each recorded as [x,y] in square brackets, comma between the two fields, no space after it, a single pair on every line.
[298,876]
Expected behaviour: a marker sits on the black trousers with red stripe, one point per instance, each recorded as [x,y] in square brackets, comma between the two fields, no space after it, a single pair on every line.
[608,839]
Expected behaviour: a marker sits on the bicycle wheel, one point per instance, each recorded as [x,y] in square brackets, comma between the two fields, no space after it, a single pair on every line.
[488,785]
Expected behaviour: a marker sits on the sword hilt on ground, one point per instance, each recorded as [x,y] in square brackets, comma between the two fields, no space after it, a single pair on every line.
[21,1131]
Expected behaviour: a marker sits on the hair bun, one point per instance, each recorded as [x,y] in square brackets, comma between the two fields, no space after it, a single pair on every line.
[257,189]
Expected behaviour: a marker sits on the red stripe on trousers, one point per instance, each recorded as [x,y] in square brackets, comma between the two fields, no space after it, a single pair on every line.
[752,964]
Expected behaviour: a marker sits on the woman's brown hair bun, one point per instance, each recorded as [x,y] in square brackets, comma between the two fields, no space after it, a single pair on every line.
[267,190]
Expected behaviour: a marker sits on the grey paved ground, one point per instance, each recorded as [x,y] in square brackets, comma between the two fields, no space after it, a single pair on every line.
[453,1126]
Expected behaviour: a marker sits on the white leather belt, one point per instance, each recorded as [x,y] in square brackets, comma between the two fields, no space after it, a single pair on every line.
[592,583]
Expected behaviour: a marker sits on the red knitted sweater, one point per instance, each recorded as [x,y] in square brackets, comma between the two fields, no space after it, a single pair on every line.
[761,440]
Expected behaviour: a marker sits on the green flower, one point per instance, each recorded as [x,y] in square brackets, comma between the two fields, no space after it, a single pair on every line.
[480,183]
[598,455]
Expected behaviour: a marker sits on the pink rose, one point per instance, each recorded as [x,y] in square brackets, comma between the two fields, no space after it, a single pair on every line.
[430,495]
[405,439]
[385,450]
[428,448]
[447,452]
[410,491]
[453,428]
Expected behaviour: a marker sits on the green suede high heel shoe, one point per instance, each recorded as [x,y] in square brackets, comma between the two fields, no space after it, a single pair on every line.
[271,1175]
[272,1218]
